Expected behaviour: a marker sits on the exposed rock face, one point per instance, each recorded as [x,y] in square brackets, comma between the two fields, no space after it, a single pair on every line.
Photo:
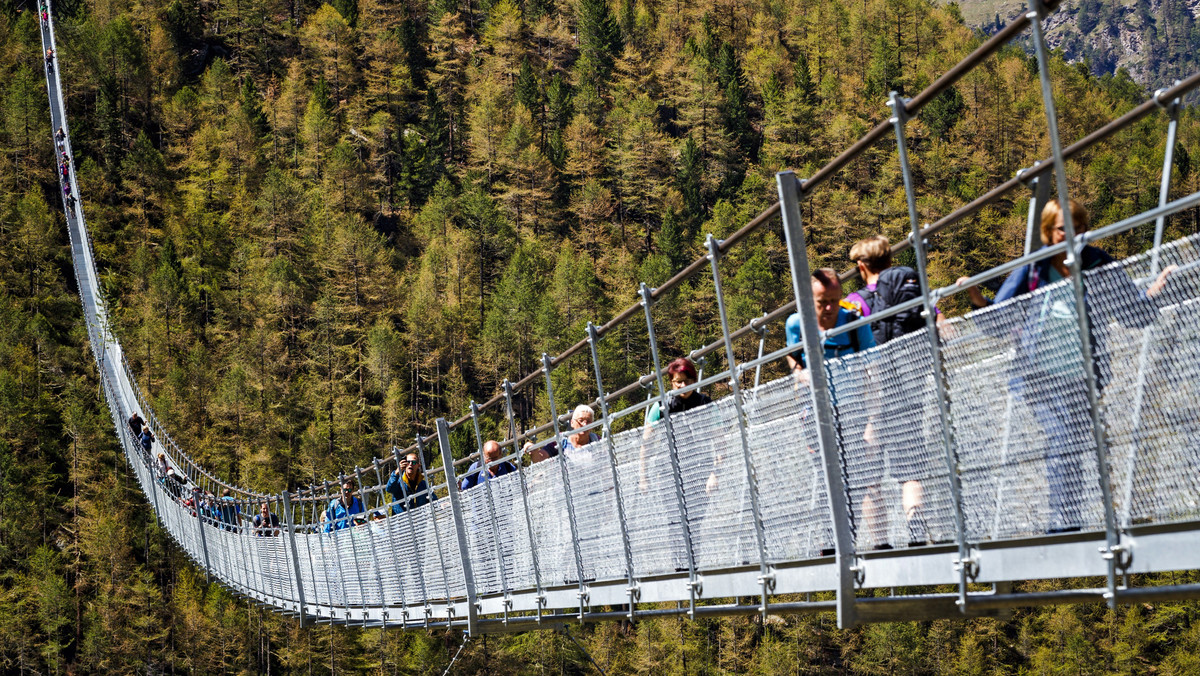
[1155,41]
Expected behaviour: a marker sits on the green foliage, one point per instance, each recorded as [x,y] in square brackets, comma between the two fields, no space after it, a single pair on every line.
[352,218]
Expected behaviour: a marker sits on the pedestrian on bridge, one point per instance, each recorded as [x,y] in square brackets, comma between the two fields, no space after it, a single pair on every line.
[477,473]
[341,510]
[1048,371]
[407,485]
[135,424]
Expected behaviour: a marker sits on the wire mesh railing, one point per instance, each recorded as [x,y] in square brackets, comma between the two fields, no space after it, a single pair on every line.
[1034,426]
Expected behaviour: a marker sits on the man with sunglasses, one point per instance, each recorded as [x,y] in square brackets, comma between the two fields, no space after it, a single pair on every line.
[407,485]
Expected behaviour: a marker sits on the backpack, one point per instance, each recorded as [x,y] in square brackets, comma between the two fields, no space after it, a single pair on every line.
[896,285]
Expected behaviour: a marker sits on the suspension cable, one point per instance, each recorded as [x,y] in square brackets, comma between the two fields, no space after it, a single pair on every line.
[466,639]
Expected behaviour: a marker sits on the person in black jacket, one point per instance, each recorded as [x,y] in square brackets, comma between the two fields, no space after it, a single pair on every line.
[1047,371]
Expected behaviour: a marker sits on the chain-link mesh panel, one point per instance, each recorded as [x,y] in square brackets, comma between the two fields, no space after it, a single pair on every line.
[406,552]
[596,518]
[551,525]
[651,506]
[890,434]
[793,496]
[1147,356]
[514,531]
[1007,475]
[452,574]
[486,557]
[716,493]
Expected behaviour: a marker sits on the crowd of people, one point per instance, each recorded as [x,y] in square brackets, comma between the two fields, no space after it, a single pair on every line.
[884,285]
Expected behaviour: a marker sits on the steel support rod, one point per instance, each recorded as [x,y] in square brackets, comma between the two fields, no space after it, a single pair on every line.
[200,527]
[694,582]
[633,589]
[965,563]
[566,479]
[533,549]
[368,528]
[1040,187]
[443,432]
[1160,223]
[822,397]
[407,508]
[491,507]
[288,518]
[1111,551]
[448,475]
[766,573]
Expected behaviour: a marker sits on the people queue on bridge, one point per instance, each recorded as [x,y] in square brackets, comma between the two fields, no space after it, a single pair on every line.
[1053,399]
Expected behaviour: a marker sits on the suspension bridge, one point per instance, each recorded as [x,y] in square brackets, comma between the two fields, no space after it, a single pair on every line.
[782,489]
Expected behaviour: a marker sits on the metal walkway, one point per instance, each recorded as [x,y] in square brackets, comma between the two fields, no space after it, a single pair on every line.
[786,487]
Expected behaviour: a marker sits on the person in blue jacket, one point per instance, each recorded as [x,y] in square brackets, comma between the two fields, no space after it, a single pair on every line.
[827,297]
[407,485]
[339,513]
[476,475]
[1047,370]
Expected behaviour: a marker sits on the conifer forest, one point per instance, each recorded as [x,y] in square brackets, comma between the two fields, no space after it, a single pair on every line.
[322,226]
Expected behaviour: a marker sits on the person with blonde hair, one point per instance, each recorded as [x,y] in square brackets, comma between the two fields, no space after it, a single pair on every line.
[1053,384]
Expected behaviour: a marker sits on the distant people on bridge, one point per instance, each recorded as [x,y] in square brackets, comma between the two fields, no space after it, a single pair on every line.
[341,510]
[582,416]
[407,485]
[831,313]
[680,373]
[1048,371]
[162,464]
[266,522]
[71,204]
[476,474]
[147,439]
[884,286]
[60,137]
[135,424]
[229,511]
[174,482]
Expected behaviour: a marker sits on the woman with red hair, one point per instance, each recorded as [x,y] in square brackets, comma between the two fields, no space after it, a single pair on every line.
[681,373]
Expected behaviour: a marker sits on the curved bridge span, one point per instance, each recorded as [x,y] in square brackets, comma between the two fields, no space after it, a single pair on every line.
[784,488]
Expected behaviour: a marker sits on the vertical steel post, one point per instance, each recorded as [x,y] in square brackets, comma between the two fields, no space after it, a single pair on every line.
[383,614]
[839,504]
[1112,536]
[448,475]
[288,518]
[965,563]
[766,576]
[566,479]
[533,551]
[443,432]
[491,507]
[633,589]
[762,345]
[1040,186]
[1160,224]
[694,583]
[200,527]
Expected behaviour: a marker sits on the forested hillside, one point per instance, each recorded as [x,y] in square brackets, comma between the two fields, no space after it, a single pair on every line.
[322,226]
